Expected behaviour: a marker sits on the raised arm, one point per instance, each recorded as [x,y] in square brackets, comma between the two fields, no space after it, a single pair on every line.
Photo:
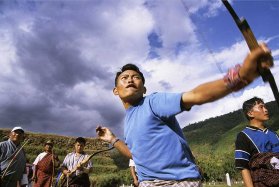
[106,135]
[236,79]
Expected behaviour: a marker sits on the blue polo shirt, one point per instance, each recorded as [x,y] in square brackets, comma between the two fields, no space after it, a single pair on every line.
[253,140]
[156,140]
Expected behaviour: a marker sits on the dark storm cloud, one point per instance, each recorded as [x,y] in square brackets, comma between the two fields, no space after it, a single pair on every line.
[52,63]
[58,60]
[51,55]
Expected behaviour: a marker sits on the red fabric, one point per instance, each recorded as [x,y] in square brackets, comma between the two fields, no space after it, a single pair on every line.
[44,172]
[233,79]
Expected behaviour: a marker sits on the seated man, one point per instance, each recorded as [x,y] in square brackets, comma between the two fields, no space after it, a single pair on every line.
[74,169]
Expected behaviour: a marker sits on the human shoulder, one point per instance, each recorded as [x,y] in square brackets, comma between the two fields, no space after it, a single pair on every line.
[240,134]
[43,153]
[4,143]
[242,137]
[272,131]
[70,154]
[3,146]
[163,96]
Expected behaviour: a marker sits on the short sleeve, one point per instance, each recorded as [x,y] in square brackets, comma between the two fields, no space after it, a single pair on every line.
[165,105]
[242,151]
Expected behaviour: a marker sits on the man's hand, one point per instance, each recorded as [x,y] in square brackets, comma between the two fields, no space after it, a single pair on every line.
[258,58]
[105,134]
[135,183]
[66,172]
[80,166]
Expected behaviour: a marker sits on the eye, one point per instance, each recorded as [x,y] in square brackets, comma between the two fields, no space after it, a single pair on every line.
[124,77]
[136,77]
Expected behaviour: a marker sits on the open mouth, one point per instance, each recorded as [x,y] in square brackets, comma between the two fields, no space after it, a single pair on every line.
[131,86]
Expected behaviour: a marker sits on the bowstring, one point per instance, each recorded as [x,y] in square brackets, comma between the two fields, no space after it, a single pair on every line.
[206,43]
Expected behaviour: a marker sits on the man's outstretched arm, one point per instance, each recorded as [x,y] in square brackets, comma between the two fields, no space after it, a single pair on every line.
[237,79]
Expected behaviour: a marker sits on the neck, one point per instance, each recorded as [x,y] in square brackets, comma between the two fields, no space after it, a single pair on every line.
[130,103]
[258,124]
[17,143]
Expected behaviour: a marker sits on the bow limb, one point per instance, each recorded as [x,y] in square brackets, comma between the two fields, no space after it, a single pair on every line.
[65,178]
[87,159]
[252,44]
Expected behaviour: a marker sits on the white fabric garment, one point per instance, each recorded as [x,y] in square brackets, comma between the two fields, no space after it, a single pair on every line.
[274,162]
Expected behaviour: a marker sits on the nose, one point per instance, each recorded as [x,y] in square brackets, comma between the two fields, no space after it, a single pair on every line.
[130,79]
[265,109]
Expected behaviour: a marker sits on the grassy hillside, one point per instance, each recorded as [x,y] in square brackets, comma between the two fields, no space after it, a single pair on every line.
[212,141]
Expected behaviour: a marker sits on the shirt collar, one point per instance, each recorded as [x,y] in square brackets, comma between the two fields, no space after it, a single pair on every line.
[256,128]
[12,143]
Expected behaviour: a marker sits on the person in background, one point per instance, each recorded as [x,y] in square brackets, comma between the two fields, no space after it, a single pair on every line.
[150,124]
[12,159]
[29,172]
[44,166]
[255,140]
[75,172]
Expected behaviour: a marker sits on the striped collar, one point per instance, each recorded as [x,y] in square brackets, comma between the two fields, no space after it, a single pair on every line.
[256,128]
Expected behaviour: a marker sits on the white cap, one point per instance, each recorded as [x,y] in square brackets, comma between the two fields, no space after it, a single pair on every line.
[17,128]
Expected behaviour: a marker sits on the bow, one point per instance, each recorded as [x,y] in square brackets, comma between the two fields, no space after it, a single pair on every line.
[86,160]
[65,179]
[252,44]
[13,158]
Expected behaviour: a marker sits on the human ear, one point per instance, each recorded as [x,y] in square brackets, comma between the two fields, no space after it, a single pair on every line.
[115,91]
[250,114]
[144,88]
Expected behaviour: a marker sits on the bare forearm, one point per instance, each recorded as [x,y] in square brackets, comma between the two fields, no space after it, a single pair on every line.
[133,173]
[205,93]
[105,134]
[123,149]
[237,78]
[247,179]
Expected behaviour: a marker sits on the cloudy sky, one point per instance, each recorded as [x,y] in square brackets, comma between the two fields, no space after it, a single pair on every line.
[59,58]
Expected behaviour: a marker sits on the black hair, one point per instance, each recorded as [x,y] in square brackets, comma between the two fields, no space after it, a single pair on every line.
[249,104]
[129,67]
[80,140]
